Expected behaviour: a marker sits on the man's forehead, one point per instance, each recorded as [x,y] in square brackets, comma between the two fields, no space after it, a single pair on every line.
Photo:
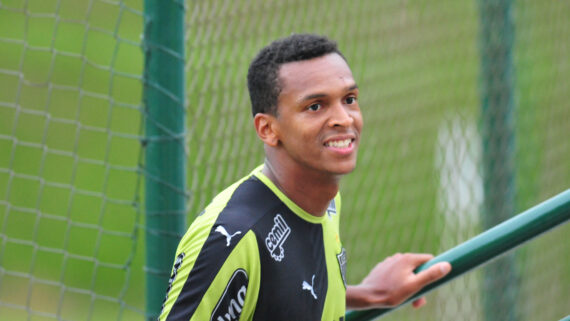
[330,58]
[315,69]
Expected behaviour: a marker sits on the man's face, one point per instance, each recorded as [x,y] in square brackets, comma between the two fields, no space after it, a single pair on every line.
[318,117]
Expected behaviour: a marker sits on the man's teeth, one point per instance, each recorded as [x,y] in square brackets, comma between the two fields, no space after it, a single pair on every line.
[339,143]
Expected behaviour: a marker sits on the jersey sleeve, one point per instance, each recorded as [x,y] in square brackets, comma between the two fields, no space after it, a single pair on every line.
[215,276]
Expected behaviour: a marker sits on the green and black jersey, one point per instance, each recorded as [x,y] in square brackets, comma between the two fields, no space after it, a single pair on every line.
[253,254]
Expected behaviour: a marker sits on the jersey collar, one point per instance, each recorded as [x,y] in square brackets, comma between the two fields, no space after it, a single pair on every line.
[288,202]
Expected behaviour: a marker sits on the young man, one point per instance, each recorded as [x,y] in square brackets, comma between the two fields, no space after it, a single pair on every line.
[268,247]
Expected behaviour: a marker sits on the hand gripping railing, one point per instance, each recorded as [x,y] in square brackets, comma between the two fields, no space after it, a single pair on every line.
[489,244]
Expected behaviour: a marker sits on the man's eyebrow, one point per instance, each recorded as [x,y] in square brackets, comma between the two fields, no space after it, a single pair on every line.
[312,96]
[320,95]
[353,87]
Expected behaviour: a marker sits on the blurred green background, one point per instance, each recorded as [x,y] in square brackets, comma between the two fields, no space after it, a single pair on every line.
[71,189]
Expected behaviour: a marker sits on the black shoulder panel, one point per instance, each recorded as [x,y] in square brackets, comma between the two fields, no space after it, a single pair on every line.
[248,204]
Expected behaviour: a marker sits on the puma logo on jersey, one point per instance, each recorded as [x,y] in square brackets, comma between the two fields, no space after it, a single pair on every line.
[231,303]
[275,239]
[222,230]
[309,287]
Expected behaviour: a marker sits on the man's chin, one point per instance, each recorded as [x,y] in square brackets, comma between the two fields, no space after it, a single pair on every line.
[343,170]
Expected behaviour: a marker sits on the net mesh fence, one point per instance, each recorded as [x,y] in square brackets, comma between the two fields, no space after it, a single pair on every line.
[71,219]
[70,214]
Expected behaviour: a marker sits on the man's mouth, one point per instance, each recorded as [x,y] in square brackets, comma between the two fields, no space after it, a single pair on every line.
[344,143]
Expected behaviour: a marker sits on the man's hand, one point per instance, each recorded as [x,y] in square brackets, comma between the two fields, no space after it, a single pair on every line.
[393,281]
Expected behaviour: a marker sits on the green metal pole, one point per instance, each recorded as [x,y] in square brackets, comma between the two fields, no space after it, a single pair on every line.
[490,244]
[500,279]
[165,169]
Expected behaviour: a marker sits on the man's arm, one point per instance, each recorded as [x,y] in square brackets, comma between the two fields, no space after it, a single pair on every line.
[213,278]
[393,281]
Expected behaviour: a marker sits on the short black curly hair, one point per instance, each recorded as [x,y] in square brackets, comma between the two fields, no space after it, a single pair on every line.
[263,74]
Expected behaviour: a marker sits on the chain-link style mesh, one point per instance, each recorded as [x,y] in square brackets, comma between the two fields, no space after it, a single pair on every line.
[70,91]
[70,95]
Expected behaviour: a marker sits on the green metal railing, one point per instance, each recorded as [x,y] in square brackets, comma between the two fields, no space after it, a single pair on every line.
[165,170]
[490,244]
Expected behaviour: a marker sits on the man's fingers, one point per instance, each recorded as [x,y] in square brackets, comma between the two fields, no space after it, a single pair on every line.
[434,273]
[418,258]
[419,302]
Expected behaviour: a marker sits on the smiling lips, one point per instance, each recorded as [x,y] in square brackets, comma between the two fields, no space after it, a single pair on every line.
[342,146]
[345,143]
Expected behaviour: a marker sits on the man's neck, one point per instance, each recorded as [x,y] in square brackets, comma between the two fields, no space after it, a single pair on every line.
[309,190]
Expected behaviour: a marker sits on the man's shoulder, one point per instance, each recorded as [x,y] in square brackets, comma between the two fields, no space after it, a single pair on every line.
[248,203]
[241,204]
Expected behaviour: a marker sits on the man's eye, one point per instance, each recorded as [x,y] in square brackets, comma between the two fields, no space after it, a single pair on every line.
[315,107]
[350,100]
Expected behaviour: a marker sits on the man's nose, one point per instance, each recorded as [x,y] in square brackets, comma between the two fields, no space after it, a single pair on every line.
[340,116]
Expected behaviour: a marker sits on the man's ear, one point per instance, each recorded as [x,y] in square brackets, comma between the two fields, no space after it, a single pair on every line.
[265,126]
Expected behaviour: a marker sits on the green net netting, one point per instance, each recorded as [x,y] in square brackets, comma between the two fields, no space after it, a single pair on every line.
[70,214]
[71,223]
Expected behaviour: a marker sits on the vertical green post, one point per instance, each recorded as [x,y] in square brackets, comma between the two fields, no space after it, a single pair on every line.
[165,173]
[497,37]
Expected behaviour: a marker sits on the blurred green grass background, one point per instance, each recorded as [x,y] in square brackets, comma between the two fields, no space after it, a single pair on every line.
[71,222]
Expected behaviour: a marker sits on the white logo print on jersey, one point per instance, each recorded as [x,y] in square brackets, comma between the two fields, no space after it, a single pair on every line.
[175,268]
[220,229]
[275,239]
[342,264]
[309,287]
[331,210]
[232,301]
